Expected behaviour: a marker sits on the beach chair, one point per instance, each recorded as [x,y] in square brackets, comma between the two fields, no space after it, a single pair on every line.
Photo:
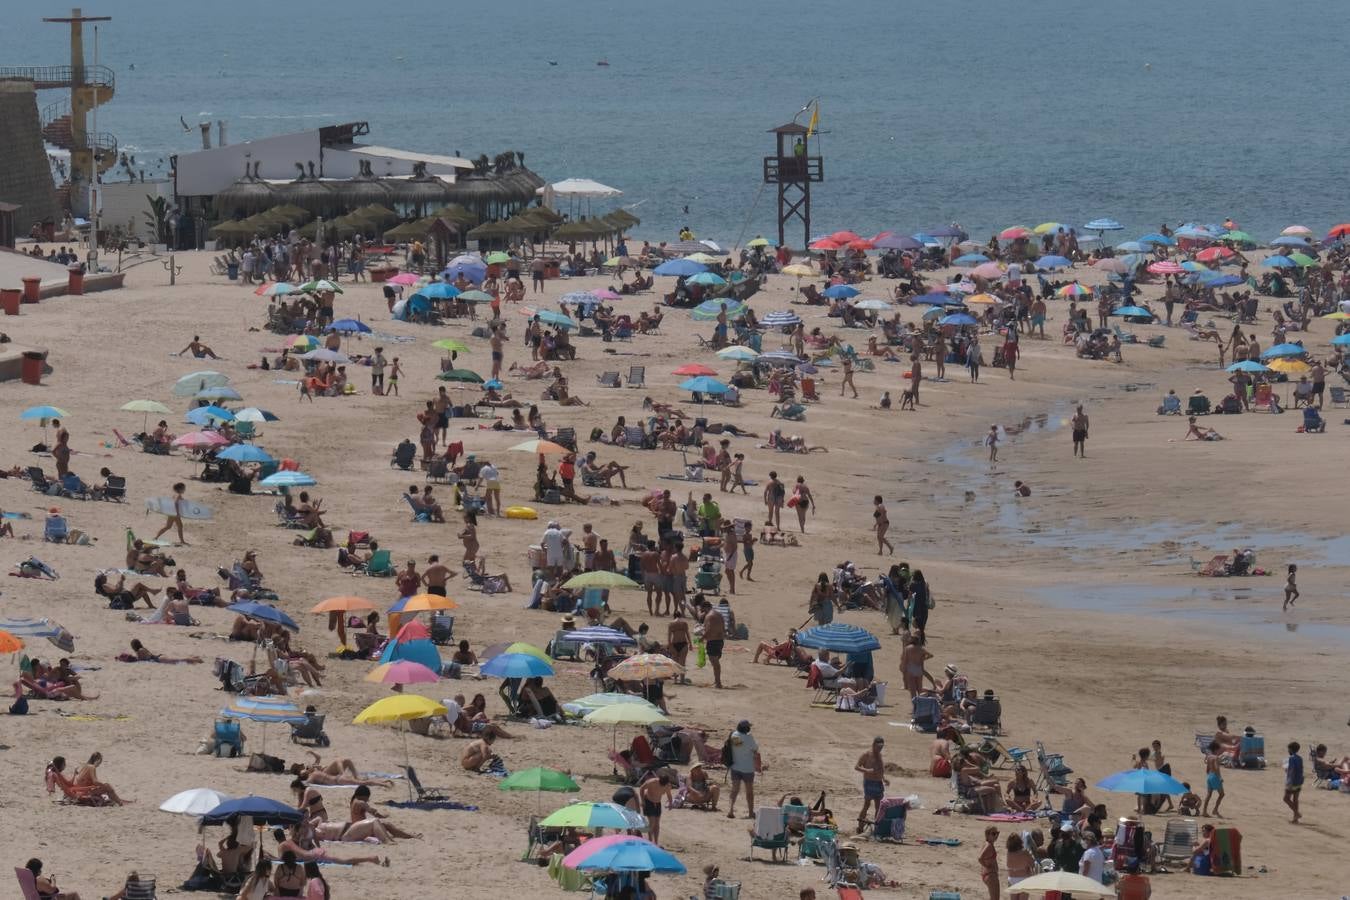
[228,738]
[310,731]
[566,437]
[770,832]
[116,489]
[245,431]
[139,887]
[1313,423]
[27,883]
[637,376]
[1180,837]
[381,564]
[1261,397]
[1215,568]
[41,484]
[608,379]
[1052,770]
[1125,336]
[1338,397]
[55,529]
[1197,405]
[442,628]
[561,647]
[423,794]
[438,470]
[927,712]
[418,515]
[988,714]
[634,437]
[1251,752]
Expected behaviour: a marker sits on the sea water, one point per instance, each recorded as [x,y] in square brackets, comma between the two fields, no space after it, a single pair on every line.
[971,111]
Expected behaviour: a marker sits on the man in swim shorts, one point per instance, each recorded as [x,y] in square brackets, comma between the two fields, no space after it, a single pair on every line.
[1213,780]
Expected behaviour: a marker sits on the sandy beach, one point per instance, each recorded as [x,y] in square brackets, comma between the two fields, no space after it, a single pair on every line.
[1078,605]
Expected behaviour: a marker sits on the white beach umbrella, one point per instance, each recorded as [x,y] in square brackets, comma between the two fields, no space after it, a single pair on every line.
[194,802]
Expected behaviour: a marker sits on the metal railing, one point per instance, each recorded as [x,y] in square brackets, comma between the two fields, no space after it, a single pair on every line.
[53,111]
[48,77]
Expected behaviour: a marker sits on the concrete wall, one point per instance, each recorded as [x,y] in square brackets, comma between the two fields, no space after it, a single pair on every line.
[123,202]
[25,176]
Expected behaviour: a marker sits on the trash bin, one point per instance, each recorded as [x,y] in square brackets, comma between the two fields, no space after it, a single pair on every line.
[9,300]
[75,285]
[31,368]
[32,290]
[232,270]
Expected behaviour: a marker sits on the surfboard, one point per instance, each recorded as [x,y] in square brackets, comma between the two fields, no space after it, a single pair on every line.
[165,507]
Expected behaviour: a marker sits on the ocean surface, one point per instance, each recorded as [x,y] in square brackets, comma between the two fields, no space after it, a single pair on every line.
[968,111]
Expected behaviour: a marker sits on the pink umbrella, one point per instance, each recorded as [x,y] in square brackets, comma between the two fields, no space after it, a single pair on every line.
[594,845]
[413,631]
[196,439]
[402,672]
[987,270]
[861,244]
[826,244]
[1209,254]
[605,294]
[1165,267]
[1017,232]
[843,237]
[404,278]
[1297,229]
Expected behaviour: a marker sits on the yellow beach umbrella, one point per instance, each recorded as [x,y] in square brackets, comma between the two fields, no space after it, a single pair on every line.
[426,602]
[610,580]
[982,300]
[704,258]
[1047,227]
[517,647]
[800,271]
[1294,367]
[627,714]
[399,708]
[1336,316]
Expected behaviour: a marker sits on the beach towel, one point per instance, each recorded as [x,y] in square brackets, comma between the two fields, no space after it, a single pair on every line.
[768,822]
[1008,817]
[430,804]
[939,842]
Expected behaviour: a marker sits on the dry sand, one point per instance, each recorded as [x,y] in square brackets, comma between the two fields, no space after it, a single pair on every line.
[1077,605]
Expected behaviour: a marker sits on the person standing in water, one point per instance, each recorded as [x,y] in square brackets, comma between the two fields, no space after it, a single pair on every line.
[1290,587]
[1079,424]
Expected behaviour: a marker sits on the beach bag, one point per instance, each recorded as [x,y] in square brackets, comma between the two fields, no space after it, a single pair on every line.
[19,707]
[701,659]
[262,762]
[726,752]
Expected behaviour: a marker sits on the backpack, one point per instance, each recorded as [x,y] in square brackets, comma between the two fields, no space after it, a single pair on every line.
[726,752]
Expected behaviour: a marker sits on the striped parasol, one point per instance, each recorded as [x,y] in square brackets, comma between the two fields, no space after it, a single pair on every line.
[781,318]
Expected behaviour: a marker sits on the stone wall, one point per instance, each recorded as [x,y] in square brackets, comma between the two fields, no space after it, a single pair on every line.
[25,176]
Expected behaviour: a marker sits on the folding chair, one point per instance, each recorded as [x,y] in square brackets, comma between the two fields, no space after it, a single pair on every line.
[424,794]
[1181,836]
[116,489]
[139,887]
[637,376]
[418,515]
[608,379]
[770,832]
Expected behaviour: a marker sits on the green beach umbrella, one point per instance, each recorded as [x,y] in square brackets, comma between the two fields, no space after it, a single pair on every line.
[1302,260]
[497,257]
[539,780]
[323,284]
[475,297]
[587,814]
[452,345]
[611,580]
[463,376]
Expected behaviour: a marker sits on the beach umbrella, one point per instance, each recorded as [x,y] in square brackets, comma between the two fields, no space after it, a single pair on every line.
[497,257]
[677,267]
[1341,340]
[493,384]
[145,407]
[936,299]
[646,667]
[1074,290]
[343,604]
[982,300]
[1221,281]
[1290,367]
[781,318]
[601,634]
[704,384]
[623,853]
[1237,237]
[606,294]
[708,310]
[694,369]
[1211,254]
[1283,350]
[1133,247]
[288,479]
[707,279]
[627,713]
[1337,316]
[438,290]
[549,317]
[199,439]
[1291,241]
[1103,225]
[245,453]
[825,244]
[475,297]
[223,392]
[1247,365]
[1296,230]
[263,612]
[760,241]
[800,270]
[402,671]
[1155,238]
[305,342]
[254,414]
[959,320]
[40,628]
[872,305]
[417,603]
[840,637]
[947,231]
[1053,262]
[1142,781]
[397,709]
[1134,312]
[43,413]
[261,810]
[1279,262]
[579,297]
[615,261]
[265,710]
[420,651]
[970,259]
[841,292]
[542,447]
[539,779]
[462,376]
[589,815]
[989,270]
[1194,233]
[413,630]
[349,326]
[320,285]
[1048,227]
[204,415]
[194,802]
[1302,260]
[406,279]
[276,289]
[515,665]
[189,385]
[1063,882]
[1015,233]
[780,358]
[323,354]
[515,647]
[468,265]
[583,706]
[1166,267]
[11,644]
[451,344]
[738,353]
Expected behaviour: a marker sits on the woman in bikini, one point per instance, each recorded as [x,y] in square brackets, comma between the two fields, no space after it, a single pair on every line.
[360,810]
[1021,793]
[337,772]
[288,877]
[470,536]
[87,777]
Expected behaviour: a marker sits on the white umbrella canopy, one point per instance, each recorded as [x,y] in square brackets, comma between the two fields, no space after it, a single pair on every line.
[580,187]
[1064,882]
[194,802]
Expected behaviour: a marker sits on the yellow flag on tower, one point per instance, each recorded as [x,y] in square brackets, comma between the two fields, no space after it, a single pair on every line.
[815,120]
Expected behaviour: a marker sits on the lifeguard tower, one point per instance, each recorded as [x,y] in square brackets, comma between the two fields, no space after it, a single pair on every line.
[794,170]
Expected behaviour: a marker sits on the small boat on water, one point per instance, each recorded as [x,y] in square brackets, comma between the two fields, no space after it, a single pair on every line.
[603,62]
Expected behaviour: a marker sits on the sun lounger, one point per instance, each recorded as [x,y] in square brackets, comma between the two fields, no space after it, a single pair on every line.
[1182,835]
[637,376]
[423,794]
[608,379]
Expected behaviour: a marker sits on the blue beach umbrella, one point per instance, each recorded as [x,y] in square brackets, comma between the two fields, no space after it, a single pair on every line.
[438,290]
[263,613]
[958,319]
[493,384]
[703,384]
[224,392]
[679,267]
[1155,238]
[43,412]
[420,651]
[946,231]
[1280,350]
[840,637]
[631,855]
[1247,365]
[549,317]
[205,415]
[1133,247]
[1104,225]
[515,665]
[1341,340]
[288,480]
[779,358]
[1133,312]
[1279,261]
[349,326]
[707,279]
[1220,281]
[262,810]
[1053,262]
[245,453]
[781,318]
[584,298]
[936,299]
[1142,781]
[263,709]
[468,265]
[970,259]
[1290,240]
[841,292]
